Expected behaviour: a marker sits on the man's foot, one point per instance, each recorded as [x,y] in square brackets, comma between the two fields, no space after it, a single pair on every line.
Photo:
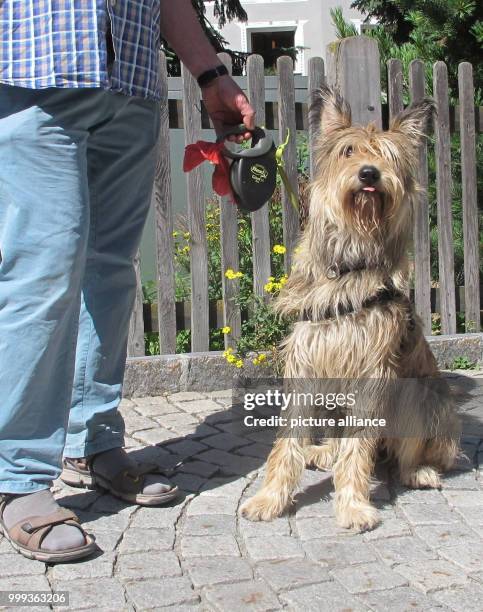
[122,476]
[39,528]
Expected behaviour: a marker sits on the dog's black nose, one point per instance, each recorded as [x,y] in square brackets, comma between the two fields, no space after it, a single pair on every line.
[369,175]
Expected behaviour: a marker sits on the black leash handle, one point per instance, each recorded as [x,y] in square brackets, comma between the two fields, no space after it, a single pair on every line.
[262,142]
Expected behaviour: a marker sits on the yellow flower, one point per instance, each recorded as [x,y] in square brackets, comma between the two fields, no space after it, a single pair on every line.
[262,357]
[231,358]
[283,280]
[231,274]
[185,249]
[239,363]
[186,235]
[226,329]
[279,249]
[175,234]
[228,351]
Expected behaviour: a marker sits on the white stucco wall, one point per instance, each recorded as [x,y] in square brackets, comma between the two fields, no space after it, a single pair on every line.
[309,18]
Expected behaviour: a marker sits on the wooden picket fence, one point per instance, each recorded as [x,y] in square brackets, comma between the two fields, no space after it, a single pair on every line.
[353,65]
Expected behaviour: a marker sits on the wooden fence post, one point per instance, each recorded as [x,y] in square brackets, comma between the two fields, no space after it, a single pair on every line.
[353,66]
[163,215]
[444,187]
[135,342]
[259,218]
[229,255]
[421,241]
[286,119]
[316,80]
[395,87]
[196,215]
[470,205]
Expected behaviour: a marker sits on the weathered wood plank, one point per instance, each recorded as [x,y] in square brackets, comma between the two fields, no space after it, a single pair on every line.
[444,188]
[163,220]
[259,218]
[135,342]
[395,87]
[316,80]
[421,240]
[286,119]
[229,256]
[353,65]
[196,218]
[470,205]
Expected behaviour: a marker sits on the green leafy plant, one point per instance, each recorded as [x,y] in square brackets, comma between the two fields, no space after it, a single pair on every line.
[463,363]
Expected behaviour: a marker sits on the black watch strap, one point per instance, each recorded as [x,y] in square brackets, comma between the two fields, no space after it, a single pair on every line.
[210,75]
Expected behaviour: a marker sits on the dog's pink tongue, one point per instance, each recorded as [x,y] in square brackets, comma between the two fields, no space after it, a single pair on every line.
[368,189]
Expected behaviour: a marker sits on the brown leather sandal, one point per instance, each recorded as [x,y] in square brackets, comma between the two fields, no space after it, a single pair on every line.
[27,535]
[128,484]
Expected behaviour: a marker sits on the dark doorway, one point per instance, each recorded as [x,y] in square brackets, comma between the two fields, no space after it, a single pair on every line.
[271,45]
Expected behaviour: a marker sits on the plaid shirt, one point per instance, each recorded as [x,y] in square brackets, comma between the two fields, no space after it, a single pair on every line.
[62,43]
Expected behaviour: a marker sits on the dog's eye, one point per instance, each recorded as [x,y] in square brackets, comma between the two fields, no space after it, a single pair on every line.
[348,151]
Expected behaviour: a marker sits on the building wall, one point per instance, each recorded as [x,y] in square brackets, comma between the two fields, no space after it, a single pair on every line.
[309,18]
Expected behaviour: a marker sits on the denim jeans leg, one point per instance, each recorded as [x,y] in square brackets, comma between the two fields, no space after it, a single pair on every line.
[44,218]
[122,159]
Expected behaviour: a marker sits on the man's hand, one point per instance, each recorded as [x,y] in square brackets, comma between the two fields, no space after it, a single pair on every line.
[228,106]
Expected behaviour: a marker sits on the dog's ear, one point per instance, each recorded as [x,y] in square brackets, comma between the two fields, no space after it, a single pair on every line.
[328,111]
[414,121]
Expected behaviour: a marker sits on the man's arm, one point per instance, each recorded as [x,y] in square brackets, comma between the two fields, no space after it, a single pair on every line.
[224,100]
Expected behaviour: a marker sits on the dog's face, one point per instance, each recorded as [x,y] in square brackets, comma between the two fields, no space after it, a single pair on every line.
[365,177]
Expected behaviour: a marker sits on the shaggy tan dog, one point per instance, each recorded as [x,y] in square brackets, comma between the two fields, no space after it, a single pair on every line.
[348,288]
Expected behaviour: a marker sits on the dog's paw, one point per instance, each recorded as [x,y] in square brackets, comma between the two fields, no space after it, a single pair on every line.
[422,477]
[321,457]
[261,508]
[358,516]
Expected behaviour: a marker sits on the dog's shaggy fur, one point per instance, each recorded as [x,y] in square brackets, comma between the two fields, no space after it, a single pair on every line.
[354,248]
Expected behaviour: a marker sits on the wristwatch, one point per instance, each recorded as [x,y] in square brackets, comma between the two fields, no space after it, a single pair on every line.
[208,76]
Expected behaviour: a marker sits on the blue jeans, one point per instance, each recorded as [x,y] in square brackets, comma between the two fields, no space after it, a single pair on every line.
[76,174]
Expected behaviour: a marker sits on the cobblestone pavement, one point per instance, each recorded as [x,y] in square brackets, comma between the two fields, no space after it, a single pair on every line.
[198,555]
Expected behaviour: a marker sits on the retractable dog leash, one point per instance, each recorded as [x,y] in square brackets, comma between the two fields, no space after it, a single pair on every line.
[251,177]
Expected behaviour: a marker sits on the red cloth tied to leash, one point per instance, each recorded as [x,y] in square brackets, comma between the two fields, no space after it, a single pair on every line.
[201,151]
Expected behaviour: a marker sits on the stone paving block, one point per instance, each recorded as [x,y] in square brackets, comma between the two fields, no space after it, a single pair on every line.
[402,550]
[400,599]
[38,582]
[157,435]
[159,518]
[260,451]
[291,573]
[338,553]
[224,487]
[463,499]
[186,396]
[419,496]
[254,595]
[76,499]
[277,526]
[200,407]
[157,410]
[149,594]
[14,564]
[224,393]
[322,508]
[321,527]
[470,597]
[94,521]
[460,480]
[188,482]
[472,515]
[431,575]
[126,404]
[186,448]
[93,594]
[207,571]
[176,420]
[108,540]
[387,528]
[143,540]
[225,441]
[137,422]
[212,505]
[100,566]
[199,468]
[438,536]
[368,577]
[436,514]
[209,524]
[230,463]
[468,555]
[108,504]
[197,433]
[327,596]
[141,565]
[266,548]
[149,399]
[209,546]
